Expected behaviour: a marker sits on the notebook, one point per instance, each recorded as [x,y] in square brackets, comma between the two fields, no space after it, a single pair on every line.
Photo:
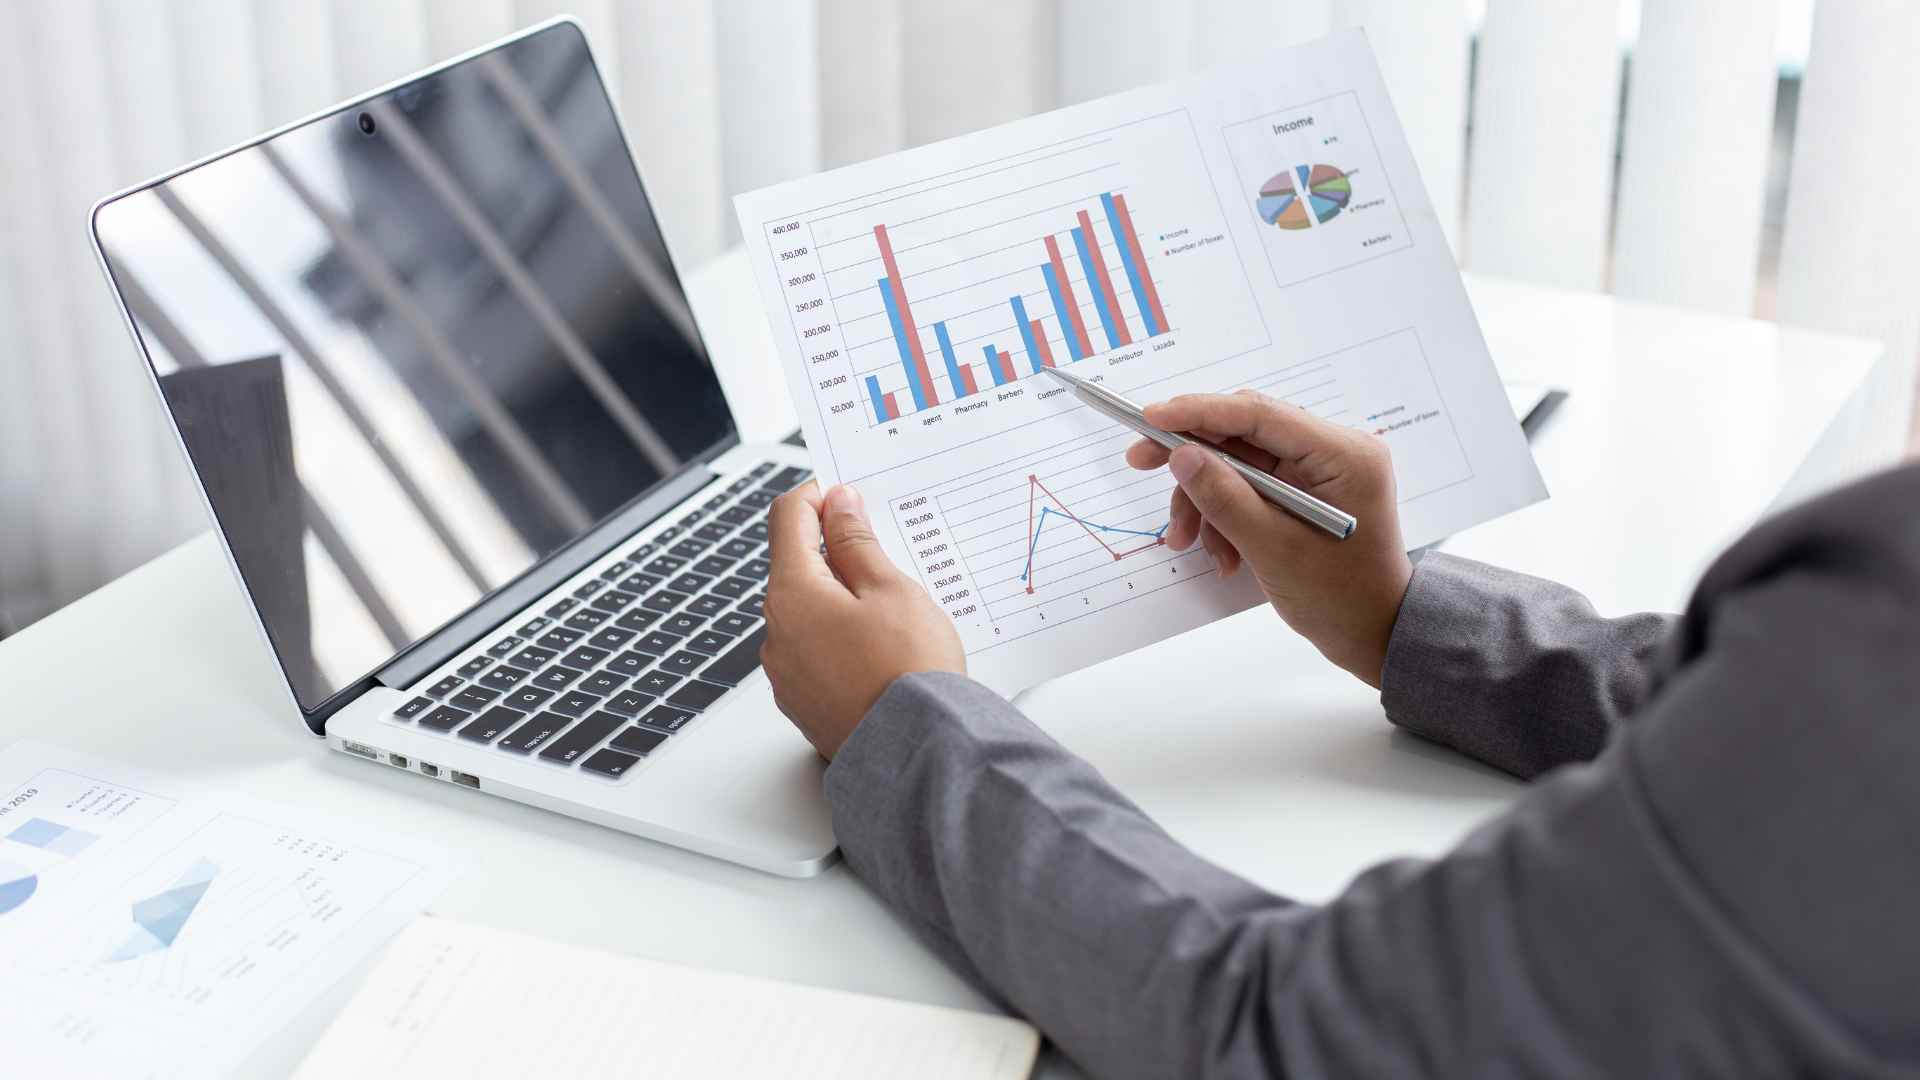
[453,999]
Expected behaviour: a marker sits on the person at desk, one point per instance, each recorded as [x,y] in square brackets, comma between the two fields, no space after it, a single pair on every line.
[1716,872]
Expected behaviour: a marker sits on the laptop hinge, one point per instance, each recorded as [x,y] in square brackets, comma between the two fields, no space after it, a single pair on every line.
[407,668]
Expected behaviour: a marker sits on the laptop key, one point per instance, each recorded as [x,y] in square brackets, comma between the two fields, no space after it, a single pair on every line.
[656,683]
[445,686]
[639,583]
[444,718]
[533,657]
[756,531]
[575,703]
[491,724]
[682,623]
[708,605]
[560,638]
[611,638]
[526,698]
[562,606]
[589,588]
[689,583]
[534,626]
[682,662]
[759,500]
[712,532]
[735,623]
[587,618]
[609,763]
[736,515]
[688,548]
[601,683]
[558,677]
[786,479]
[734,588]
[658,642]
[584,657]
[667,719]
[629,663]
[713,565]
[473,697]
[504,646]
[738,548]
[582,737]
[755,569]
[697,695]
[638,740]
[630,702]
[664,600]
[474,666]
[504,677]
[617,570]
[754,605]
[413,708]
[666,566]
[762,469]
[637,619]
[533,734]
[614,601]
[668,535]
[737,663]
[711,642]
[740,485]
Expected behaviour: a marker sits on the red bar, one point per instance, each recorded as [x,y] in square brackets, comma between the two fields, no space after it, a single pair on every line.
[893,407]
[1140,260]
[966,379]
[906,316]
[1006,366]
[1105,284]
[1040,339]
[1079,328]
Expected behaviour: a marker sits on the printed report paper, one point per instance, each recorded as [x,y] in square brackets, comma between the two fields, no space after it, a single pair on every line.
[150,929]
[1261,226]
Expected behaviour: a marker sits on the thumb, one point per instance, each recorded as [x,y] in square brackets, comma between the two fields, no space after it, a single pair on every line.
[1221,495]
[852,548]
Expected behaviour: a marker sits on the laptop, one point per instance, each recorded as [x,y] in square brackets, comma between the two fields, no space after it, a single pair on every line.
[462,440]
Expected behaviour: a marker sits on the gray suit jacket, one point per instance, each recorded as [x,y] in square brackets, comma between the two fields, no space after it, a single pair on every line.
[1717,874]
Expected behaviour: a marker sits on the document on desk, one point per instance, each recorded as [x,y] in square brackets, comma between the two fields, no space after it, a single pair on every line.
[455,1000]
[151,929]
[1262,226]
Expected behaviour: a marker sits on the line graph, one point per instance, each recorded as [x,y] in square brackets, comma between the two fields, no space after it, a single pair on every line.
[1035,527]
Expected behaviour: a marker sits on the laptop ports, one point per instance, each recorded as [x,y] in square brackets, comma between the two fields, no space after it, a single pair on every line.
[360,749]
[464,779]
[429,769]
[398,761]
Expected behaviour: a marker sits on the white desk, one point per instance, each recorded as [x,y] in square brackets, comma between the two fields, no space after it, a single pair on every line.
[1681,430]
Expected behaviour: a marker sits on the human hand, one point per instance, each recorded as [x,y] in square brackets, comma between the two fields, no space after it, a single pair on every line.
[1342,595]
[841,627]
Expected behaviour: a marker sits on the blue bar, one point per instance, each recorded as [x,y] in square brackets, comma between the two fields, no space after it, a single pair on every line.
[953,365]
[1133,271]
[900,339]
[1060,313]
[993,365]
[879,399]
[1080,241]
[1026,335]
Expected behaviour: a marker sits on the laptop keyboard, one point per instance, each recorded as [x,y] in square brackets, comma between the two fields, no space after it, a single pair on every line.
[611,671]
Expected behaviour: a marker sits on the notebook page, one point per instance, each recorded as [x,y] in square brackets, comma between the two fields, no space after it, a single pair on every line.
[453,999]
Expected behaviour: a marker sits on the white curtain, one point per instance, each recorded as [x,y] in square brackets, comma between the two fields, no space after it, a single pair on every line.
[722,96]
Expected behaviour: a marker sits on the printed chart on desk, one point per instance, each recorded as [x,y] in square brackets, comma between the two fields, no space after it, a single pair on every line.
[917,301]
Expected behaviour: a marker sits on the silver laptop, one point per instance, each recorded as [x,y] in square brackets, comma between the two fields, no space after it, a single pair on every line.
[459,433]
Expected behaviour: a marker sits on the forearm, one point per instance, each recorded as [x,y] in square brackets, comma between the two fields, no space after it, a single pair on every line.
[1513,670]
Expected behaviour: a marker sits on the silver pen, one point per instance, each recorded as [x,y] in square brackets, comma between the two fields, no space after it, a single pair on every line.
[1336,522]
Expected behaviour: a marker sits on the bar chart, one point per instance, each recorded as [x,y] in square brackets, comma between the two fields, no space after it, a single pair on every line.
[928,305]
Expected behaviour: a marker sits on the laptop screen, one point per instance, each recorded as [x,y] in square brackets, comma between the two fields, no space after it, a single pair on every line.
[415,346]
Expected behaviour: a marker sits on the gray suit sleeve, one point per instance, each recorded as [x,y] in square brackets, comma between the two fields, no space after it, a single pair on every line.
[1518,672]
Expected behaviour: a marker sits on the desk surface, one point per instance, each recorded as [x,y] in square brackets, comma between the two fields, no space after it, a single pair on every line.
[1680,431]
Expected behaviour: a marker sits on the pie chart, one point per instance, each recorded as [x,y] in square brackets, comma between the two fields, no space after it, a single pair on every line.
[16,885]
[1327,190]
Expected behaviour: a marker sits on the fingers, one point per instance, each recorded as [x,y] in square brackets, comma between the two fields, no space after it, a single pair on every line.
[852,548]
[1226,557]
[793,531]
[1146,454]
[1221,495]
[1285,430]
[1183,521]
